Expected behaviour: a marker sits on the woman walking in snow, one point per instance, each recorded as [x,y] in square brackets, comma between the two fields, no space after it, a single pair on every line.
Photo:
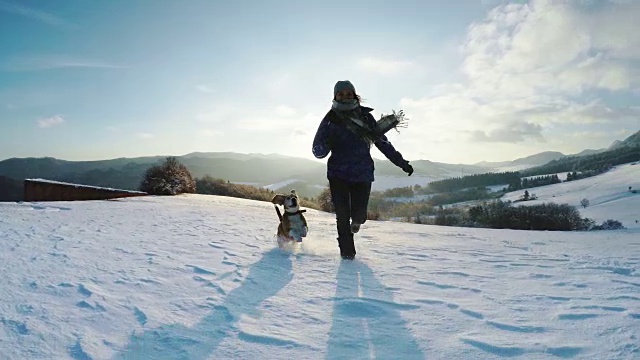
[348,131]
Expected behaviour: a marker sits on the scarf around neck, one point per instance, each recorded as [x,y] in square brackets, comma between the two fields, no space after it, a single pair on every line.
[345,105]
[354,119]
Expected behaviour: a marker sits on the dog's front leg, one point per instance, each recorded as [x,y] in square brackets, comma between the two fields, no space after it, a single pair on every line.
[295,235]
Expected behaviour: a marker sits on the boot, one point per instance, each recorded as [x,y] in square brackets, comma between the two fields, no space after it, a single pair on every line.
[347,247]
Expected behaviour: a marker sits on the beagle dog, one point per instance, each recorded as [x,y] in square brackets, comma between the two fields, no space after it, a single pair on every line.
[293,225]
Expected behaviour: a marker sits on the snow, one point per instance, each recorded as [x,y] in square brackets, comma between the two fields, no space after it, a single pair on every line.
[561,175]
[608,194]
[200,277]
[280,184]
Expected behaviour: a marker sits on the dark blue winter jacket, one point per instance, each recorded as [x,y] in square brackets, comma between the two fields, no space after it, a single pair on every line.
[350,158]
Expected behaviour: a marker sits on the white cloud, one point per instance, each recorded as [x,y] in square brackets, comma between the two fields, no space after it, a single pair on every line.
[207,133]
[549,46]
[266,123]
[385,67]
[284,110]
[204,89]
[230,117]
[44,17]
[50,121]
[47,62]
[511,133]
[532,67]
[146,135]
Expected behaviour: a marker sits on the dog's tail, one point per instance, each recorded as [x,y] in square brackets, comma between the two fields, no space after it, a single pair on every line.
[278,211]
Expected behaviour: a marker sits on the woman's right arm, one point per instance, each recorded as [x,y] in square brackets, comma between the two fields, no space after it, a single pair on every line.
[321,146]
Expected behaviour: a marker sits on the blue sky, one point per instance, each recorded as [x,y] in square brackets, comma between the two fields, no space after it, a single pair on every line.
[479,80]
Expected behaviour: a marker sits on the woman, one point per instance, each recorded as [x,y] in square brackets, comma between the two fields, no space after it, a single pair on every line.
[348,131]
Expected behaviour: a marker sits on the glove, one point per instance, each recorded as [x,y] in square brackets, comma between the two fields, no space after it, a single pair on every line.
[408,169]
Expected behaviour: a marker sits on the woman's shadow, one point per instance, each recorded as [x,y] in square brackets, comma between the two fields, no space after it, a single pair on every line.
[367,323]
[265,279]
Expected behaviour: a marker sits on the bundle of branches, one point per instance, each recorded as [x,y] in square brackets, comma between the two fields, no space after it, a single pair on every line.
[391,121]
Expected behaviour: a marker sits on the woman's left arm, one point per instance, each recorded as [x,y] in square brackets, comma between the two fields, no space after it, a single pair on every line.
[384,145]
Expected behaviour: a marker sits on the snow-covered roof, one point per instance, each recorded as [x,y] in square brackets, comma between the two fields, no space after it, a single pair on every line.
[83,186]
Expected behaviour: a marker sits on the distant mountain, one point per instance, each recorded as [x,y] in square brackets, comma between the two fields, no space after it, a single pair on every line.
[549,156]
[256,169]
[234,156]
[633,140]
[589,152]
[523,163]
[271,170]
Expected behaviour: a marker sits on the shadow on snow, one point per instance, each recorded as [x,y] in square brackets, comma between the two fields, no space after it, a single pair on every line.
[367,323]
[265,279]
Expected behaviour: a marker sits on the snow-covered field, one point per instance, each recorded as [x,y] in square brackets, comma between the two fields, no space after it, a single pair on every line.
[608,194]
[199,277]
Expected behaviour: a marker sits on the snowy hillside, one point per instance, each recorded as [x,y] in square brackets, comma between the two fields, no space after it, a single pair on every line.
[199,277]
[608,194]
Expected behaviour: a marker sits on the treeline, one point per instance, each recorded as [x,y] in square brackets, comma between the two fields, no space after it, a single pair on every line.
[380,198]
[213,186]
[526,183]
[470,181]
[571,176]
[502,215]
[600,162]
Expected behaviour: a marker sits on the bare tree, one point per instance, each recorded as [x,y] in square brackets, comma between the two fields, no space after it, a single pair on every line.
[584,202]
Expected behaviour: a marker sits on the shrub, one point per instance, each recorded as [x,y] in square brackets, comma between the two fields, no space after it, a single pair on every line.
[609,225]
[215,186]
[548,216]
[168,178]
[373,215]
[324,201]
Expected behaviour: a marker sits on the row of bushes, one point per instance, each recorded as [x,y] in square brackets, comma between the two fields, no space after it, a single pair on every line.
[212,186]
[171,178]
[502,215]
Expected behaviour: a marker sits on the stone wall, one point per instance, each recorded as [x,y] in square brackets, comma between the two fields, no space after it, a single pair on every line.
[45,190]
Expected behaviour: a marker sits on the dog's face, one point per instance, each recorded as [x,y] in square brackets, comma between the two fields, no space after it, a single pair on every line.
[290,201]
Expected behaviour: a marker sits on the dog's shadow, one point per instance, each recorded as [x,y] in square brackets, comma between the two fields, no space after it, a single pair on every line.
[367,323]
[265,279]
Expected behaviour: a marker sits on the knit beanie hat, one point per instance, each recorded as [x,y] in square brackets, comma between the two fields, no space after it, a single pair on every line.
[343,85]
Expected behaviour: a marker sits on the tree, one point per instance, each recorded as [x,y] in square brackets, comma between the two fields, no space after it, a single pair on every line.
[168,178]
[324,200]
[584,202]
[526,195]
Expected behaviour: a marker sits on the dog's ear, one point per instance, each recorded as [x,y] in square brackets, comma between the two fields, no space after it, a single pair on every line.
[278,199]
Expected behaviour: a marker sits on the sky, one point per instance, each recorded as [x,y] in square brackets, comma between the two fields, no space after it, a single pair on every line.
[201,277]
[483,80]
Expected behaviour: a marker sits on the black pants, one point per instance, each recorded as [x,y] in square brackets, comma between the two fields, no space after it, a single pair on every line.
[350,200]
